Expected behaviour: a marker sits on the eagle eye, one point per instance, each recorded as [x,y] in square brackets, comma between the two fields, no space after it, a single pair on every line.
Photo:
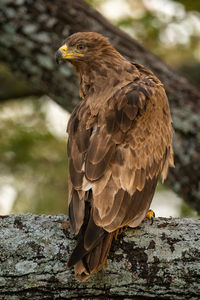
[80,47]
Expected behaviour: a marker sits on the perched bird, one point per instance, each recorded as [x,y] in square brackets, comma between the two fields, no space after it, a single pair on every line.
[120,143]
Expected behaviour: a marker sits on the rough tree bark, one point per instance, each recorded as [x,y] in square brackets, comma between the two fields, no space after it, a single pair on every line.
[160,261]
[31,31]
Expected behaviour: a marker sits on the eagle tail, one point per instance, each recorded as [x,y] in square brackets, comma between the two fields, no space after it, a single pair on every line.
[90,254]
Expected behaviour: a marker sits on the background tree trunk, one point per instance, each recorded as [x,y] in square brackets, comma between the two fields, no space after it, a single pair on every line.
[160,261]
[32,30]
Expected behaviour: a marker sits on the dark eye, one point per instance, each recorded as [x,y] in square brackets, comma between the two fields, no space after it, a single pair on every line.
[80,47]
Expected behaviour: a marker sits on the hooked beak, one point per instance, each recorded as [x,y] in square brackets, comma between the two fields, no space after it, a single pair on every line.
[63,53]
[59,56]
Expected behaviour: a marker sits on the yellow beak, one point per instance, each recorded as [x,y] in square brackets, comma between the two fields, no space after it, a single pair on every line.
[63,53]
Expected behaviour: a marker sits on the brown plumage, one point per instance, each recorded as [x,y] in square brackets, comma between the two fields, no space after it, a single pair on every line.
[120,143]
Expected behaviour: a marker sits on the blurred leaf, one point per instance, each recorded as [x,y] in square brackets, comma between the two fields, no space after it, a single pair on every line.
[190,5]
[34,159]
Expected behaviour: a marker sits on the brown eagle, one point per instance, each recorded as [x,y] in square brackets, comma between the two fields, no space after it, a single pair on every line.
[120,143]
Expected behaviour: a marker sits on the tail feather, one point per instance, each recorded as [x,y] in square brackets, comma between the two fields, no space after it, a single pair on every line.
[95,259]
[90,254]
[78,253]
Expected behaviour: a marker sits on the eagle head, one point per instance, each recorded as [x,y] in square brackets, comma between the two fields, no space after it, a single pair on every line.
[84,46]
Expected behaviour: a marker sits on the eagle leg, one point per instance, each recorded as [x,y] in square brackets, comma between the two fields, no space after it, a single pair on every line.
[150,215]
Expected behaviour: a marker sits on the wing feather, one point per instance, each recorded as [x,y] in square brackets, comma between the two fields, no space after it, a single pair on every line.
[76,211]
[119,153]
[95,171]
[113,213]
[76,176]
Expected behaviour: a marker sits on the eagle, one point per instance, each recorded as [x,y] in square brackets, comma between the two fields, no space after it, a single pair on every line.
[119,145]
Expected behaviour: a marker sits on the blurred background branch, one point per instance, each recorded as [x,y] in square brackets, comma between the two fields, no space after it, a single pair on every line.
[31,31]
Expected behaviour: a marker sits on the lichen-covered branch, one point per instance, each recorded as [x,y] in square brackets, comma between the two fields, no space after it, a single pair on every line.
[32,30]
[161,261]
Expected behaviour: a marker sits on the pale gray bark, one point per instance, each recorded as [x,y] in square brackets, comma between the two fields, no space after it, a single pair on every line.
[161,261]
[32,30]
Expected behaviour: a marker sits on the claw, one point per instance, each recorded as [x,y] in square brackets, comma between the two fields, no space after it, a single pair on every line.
[117,232]
[150,215]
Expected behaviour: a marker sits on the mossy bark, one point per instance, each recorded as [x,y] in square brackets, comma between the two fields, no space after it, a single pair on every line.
[32,30]
[160,261]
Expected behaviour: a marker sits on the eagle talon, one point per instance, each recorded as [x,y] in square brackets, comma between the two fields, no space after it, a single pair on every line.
[117,232]
[150,215]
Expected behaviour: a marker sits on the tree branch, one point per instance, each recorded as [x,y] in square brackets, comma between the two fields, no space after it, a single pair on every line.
[160,260]
[31,33]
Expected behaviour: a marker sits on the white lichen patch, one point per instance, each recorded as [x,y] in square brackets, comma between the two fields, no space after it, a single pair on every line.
[25,267]
[51,250]
[2,281]
[64,276]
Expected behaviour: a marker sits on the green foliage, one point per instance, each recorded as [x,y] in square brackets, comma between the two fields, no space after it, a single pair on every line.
[187,211]
[190,5]
[35,159]
[95,3]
